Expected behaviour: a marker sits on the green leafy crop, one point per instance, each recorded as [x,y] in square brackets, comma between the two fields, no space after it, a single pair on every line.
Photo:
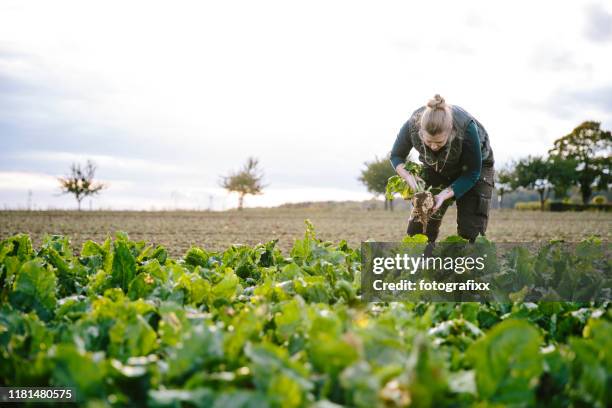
[124,324]
[397,185]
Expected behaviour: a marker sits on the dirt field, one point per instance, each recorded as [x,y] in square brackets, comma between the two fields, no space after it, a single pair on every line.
[217,230]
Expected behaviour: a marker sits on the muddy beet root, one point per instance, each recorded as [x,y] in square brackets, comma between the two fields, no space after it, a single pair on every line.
[422,207]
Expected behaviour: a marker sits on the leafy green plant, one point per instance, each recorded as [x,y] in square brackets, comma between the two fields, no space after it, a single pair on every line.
[124,324]
[397,185]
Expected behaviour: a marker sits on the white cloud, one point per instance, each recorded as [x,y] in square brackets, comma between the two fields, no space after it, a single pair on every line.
[20,181]
[127,164]
[24,181]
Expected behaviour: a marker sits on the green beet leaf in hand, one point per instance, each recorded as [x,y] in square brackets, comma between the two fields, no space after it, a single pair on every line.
[397,185]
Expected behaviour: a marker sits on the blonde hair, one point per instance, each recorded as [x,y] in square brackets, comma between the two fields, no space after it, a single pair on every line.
[437,117]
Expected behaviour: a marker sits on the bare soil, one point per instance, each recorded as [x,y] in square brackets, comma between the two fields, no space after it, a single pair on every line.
[217,230]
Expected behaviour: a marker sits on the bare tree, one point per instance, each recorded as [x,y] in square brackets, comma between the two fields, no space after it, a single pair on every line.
[80,182]
[246,181]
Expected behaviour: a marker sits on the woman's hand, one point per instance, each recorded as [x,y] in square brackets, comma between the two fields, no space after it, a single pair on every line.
[441,197]
[410,178]
[419,180]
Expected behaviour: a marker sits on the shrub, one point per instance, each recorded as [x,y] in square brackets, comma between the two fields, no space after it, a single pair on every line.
[599,199]
[560,206]
[531,205]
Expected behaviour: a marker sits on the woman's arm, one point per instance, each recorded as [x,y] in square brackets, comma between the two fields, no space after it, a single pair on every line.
[402,146]
[472,162]
[399,152]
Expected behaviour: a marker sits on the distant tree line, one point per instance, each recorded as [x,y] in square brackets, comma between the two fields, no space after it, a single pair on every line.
[580,159]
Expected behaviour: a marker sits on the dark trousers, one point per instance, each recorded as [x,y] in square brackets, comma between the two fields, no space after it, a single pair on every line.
[472,207]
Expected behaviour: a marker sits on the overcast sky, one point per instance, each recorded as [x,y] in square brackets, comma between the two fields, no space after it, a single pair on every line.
[167,96]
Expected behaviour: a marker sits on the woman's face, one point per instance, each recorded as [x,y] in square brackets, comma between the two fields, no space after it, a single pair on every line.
[435,142]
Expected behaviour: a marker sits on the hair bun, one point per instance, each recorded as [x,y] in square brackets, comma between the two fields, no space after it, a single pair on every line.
[437,102]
